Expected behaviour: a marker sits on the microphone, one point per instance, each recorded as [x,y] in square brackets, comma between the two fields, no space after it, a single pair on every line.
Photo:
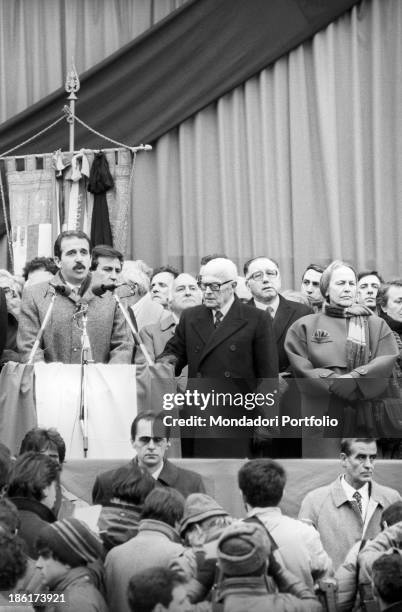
[62,289]
[101,289]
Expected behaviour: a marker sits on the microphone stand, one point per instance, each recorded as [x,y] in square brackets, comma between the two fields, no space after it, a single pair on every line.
[41,330]
[86,358]
[136,335]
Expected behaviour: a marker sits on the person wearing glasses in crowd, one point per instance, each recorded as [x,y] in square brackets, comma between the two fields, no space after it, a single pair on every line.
[264,281]
[229,348]
[150,440]
[10,306]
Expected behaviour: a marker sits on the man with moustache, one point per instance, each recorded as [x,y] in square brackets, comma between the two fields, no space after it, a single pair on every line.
[109,337]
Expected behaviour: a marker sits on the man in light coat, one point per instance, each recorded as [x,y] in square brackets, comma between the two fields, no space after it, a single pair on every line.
[349,509]
[109,337]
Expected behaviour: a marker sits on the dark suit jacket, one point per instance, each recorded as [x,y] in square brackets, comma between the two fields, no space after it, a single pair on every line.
[288,312]
[185,481]
[241,348]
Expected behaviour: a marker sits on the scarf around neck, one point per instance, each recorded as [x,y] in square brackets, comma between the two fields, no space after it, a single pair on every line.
[357,341]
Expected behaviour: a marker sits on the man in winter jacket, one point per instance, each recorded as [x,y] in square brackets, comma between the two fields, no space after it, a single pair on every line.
[68,555]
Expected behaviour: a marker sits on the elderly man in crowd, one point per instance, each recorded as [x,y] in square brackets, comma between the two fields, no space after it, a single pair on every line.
[185,294]
[264,281]
[229,348]
[70,291]
[349,509]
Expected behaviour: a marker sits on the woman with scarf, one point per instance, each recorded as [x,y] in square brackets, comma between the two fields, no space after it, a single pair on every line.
[341,357]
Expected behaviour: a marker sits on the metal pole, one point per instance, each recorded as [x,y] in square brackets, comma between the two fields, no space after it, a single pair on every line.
[72,86]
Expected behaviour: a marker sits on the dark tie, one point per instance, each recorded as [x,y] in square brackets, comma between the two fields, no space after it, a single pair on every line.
[358,498]
[218,318]
[271,311]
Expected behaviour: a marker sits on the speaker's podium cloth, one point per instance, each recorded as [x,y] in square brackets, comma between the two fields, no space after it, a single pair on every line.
[48,395]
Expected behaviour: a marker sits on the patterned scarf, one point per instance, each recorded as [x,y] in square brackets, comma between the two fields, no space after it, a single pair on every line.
[357,348]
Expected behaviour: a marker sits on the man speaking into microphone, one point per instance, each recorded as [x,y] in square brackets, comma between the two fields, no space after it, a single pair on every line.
[71,290]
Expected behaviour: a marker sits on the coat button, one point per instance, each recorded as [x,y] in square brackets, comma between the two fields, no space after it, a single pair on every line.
[75,350]
[362,371]
[232,347]
[227,374]
[197,349]
[199,375]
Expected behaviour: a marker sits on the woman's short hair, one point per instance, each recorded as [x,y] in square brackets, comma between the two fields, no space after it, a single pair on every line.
[329,270]
[31,474]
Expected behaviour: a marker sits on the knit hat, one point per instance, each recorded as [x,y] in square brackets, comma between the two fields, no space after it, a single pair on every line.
[243,548]
[71,541]
[198,507]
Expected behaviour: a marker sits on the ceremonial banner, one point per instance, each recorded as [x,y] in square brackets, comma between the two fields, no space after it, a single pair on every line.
[33,209]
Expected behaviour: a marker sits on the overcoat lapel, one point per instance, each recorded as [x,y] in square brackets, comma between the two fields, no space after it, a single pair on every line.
[281,319]
[231,323]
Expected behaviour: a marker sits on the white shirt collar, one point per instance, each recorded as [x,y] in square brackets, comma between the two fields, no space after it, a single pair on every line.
[157,472]
[263,306]
[350,491]
[224,309]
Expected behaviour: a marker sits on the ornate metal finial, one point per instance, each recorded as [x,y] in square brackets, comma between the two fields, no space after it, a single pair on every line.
[72,80]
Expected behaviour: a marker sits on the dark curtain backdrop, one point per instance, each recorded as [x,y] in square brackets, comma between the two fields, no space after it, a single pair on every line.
[192,57]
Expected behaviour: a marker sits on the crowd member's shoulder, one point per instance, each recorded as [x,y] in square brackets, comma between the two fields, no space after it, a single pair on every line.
[313,501]
[184,480]
[383,494]
[302,310]
[38,290]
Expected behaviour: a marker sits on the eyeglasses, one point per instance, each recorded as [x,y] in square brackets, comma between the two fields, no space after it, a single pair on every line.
[212,286]
[158,441]
[259,275]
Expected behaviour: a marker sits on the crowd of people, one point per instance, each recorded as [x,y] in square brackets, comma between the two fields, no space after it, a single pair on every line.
[153,540]
[331,350]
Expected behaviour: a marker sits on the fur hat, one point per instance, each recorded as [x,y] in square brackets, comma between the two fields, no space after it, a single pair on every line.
[71,541]
[243,548]
[199,507]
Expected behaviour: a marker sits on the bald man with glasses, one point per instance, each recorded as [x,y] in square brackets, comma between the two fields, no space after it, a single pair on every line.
[230,349]
[263,279]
